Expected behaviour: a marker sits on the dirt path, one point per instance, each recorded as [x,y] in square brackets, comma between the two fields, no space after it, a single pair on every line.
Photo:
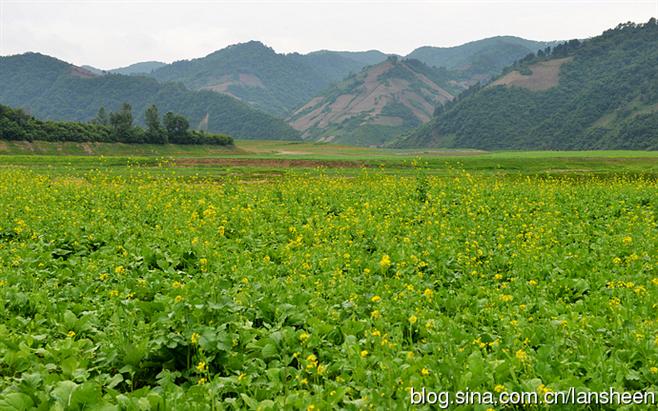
[267,162]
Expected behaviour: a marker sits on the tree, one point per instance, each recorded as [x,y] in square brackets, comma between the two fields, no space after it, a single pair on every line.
[154,131]
[122,122]
[176,126]
[101,118]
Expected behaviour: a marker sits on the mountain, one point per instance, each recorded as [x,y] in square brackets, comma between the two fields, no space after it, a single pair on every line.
[144,67]
[280,83]
[256,74]
[370,107]
[481,59]
[598,94]
[94,70]
[365,58]
[53,89]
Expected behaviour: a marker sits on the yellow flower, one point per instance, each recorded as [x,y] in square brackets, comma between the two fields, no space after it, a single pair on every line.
[376,299]
[311,408]
[413,319]
[521,355]
[114,293]
[179,298]
[119,270]
[428,293]
[195,338]
[177,284]
[303,336]
[506,298]
[627,240]
[500,388]
[103,277]
[71,334]
[322,369]
[498,276]
[532,282]
[653,370]
[616,260]
[220,231]
[202,366]
[364,353]
[375,333]
[385,262]
[375,314]
[542,389]
[201,380]
[203,261]
[425,372]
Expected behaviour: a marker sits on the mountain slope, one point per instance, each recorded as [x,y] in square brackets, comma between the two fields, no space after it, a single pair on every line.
[379,102]
[144,67]
[52,89]
[479,59]
[601,94]
[254,73]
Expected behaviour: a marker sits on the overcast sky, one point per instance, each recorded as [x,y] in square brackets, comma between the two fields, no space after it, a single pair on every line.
[109,34]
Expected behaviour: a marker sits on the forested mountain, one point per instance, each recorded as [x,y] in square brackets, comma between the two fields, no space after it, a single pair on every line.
[481,59]
[598,94]
[256,74]
[278,83]
[53,89]
[366,58]
[379,102]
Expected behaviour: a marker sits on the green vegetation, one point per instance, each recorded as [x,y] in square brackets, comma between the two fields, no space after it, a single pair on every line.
[143,283]
[52,89]
[606,98]
[15,124]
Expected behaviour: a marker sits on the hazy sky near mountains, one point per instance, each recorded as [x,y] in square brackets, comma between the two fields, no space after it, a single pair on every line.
[114,33]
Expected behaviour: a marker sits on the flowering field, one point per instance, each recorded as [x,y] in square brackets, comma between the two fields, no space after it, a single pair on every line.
[316,292]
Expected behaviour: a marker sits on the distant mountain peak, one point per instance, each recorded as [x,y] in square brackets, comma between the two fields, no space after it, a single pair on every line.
[375,104]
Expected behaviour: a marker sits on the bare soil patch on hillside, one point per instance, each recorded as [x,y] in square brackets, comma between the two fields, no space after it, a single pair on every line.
[545,75]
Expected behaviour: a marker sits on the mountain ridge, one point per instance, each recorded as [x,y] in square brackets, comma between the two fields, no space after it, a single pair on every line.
[369,107]
[601,93]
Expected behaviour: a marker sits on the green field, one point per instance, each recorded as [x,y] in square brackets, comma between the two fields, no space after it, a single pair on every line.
[251,157]
[308,276]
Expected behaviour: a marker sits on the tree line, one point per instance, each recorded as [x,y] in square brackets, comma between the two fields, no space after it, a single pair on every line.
[114,127]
